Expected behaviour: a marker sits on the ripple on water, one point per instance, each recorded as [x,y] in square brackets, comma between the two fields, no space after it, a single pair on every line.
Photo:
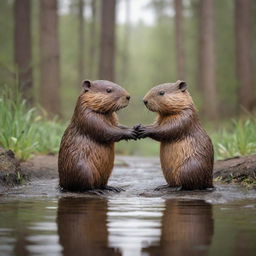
[134,223]
[44,226]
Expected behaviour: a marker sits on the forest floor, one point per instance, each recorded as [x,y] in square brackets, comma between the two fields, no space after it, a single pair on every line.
[234,179]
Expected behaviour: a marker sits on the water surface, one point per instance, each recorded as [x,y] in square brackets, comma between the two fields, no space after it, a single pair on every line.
[126,226]
[37,219]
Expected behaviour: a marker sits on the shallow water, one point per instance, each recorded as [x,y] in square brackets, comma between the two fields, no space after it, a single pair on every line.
[37,219]
[126,226]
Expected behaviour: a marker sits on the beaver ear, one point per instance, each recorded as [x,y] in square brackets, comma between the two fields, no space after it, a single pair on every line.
[183,86]
[86,84]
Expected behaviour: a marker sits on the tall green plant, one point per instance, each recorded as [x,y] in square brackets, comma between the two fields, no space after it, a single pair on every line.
[24,130]
[236,140]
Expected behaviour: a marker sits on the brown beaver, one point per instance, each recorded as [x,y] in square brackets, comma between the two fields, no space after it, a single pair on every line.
[86,155]
[186,151]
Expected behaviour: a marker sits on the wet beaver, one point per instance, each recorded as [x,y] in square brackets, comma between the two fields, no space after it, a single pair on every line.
[186,151]
[86,155]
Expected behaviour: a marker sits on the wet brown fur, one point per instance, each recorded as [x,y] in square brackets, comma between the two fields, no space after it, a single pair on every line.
[86,155]
[186,151]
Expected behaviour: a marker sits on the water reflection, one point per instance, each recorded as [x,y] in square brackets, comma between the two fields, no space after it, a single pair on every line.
[187,229]
[82,227]
[134,226]
[28,228]
[118,226]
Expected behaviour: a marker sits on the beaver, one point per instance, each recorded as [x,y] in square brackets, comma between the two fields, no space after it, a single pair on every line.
[86,155]
[186,151]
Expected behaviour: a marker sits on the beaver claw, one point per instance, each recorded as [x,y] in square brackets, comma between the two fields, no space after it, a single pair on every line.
[137,127]
[130,134]
[142,131]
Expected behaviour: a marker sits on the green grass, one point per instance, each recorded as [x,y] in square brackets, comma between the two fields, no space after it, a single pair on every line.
[26,131]
[238,138]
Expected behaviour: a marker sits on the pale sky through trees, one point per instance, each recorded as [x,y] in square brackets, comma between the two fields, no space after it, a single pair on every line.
[140,11]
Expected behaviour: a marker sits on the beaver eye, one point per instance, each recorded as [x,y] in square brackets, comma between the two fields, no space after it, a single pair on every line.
[161,93]
[108,90]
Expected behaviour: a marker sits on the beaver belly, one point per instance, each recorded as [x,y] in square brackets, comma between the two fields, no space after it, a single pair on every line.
[101,159]
[172,156]
[85,164]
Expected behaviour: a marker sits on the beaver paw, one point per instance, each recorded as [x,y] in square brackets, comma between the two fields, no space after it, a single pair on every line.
[130,134]
[113,189]
[142,131]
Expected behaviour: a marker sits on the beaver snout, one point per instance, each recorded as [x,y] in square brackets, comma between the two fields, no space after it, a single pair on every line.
[145,102]
[128,97]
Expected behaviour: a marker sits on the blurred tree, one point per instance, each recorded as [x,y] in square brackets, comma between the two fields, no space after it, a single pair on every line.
[81,42]
[93,40]
[126,40]
[225,57]
[243,31]
[180,51]
[49,57]
[157,47]
[22,46]
[107,40]
[207,79]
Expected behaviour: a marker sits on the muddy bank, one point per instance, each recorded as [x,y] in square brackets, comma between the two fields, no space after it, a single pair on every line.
[10,169]
[240,170]
[236,170]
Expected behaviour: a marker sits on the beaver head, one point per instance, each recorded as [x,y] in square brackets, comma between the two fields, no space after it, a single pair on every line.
[168,98]
[103,96]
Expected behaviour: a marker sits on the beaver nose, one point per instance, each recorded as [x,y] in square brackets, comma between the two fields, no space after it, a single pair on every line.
[128,97]
[145,102]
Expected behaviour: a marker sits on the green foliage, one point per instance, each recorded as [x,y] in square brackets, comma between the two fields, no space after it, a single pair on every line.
[249,183]
[26,131]
[239,138]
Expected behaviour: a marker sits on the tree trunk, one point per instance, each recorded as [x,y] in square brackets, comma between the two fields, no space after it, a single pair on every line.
[49,57]
[93,40]
[107,44]
[125,55]
[180,52]
[81,41]
[207,80]
[22,47]
[243,29]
